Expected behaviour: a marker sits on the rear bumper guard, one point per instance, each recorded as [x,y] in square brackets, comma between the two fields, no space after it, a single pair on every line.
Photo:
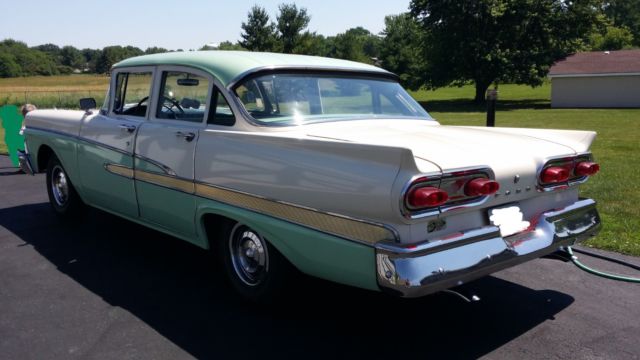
[438,264]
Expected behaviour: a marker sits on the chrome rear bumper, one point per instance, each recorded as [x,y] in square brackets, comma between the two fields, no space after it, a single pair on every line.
[438,264]
[25,162]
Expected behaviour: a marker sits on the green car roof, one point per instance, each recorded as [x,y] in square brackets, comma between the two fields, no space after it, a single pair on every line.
[228,66]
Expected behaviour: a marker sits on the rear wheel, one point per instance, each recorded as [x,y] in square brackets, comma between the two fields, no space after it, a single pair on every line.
[254,267]
[62,195]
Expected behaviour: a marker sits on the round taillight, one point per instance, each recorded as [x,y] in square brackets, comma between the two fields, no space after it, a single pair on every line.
[554,174]
[426,197]
[480,186]
[586,168]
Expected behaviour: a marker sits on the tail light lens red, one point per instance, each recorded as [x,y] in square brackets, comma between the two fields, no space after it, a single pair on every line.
[586,168]
[427,196]
[565,171]
[554,175]
[481,187]
[424,197]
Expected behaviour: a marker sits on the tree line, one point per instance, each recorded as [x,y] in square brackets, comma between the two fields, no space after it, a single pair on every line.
[17,59]
[436,43]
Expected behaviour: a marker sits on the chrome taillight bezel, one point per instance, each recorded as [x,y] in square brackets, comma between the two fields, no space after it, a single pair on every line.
[443,179]
[558,160]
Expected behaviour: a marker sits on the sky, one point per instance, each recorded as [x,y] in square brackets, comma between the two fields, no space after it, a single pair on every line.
[178,24]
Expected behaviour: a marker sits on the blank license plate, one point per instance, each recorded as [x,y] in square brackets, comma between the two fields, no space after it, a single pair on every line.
[509,219]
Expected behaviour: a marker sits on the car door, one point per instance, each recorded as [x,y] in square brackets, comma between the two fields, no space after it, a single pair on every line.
[105,152]
[165,149]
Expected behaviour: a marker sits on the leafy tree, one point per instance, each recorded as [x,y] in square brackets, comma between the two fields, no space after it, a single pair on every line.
[225,45]
[400,51]
[614,38]
[291,22]
[50,49]
[30,60]
[312,43]
[8,66]
[625,13]
[357,44]
[112,54]
[485,41]
[155,50]
[72,57]
[258,34]
[228,45]
[91,57]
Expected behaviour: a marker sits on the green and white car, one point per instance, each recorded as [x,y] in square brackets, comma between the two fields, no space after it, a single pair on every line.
[277,161]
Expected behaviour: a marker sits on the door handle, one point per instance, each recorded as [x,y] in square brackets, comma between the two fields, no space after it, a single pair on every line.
[127,128]
[188,136]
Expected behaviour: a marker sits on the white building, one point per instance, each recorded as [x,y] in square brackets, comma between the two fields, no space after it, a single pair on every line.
[597,80]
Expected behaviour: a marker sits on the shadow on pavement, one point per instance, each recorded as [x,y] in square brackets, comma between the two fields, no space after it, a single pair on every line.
[173,287]
[9,170]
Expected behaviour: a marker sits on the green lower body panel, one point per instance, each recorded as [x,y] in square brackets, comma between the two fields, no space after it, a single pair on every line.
[64,147]
[312,252]
[101,187]
[170,209]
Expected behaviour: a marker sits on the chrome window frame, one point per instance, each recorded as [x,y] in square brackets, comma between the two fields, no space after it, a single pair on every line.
[160,70]
[112,91]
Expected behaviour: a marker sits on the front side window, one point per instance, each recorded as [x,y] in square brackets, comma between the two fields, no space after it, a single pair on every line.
[294,99]
[132,93]
[183,96]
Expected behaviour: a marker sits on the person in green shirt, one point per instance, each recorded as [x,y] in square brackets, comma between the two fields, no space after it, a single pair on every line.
[11,121]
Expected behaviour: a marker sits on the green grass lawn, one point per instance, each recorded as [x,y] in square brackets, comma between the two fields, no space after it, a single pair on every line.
[617,149]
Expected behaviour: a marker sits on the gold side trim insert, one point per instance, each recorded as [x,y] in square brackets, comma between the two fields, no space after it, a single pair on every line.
[334,224]
[339,225]
[119,170]
[173,182]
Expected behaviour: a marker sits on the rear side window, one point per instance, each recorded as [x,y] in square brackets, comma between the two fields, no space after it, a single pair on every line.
[183,96]
[132,93]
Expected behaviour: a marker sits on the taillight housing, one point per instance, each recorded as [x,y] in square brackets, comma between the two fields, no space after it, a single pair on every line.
[567,171]
[430,195]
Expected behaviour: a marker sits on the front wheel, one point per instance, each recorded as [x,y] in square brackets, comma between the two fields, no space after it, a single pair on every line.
[254,267]
[63,197]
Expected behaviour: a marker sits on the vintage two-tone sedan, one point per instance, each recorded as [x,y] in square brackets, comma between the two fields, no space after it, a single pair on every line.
[325,165]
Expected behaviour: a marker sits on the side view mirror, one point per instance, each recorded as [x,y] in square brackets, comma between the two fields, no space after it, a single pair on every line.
[87,104]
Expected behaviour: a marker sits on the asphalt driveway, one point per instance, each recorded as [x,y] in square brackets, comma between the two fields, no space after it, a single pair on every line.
[104,288]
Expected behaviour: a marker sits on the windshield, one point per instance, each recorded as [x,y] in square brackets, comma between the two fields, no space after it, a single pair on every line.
[295,99]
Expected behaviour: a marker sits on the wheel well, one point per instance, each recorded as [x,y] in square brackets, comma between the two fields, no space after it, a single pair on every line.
[216,228]
[44,154]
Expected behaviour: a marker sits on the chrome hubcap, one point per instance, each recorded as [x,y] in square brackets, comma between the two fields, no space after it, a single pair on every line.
[59,186]
[249,255]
